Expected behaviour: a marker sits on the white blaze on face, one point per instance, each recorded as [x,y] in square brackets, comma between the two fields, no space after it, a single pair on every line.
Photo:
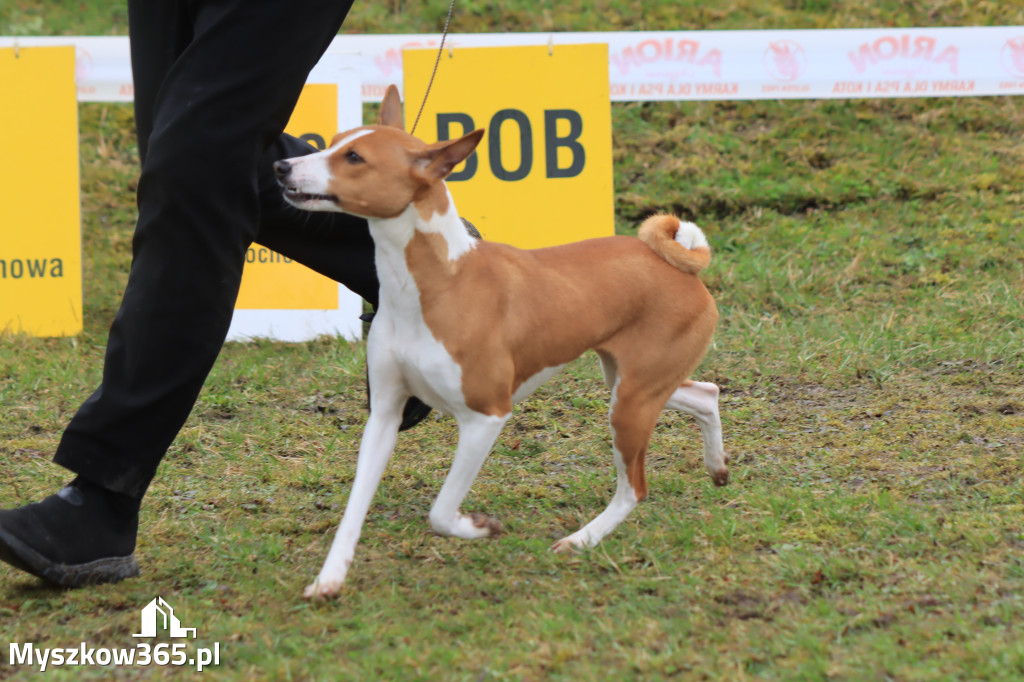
[311,175]
[348,139]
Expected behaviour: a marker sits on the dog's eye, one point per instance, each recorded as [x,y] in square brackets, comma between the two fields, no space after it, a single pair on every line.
[352,157]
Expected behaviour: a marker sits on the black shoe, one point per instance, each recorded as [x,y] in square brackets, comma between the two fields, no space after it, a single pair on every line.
[83,535]
[415,410]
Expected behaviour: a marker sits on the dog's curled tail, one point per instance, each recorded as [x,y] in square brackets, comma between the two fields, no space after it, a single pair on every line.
[682,244]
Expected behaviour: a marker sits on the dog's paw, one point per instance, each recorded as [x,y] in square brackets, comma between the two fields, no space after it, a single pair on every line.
[467,526]
[567,545]
[488,523]
[320,589]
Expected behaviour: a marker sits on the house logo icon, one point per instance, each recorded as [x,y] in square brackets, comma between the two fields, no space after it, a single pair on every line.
[158,614]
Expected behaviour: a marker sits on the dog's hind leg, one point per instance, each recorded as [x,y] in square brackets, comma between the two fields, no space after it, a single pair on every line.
[700,400]
[633,416]
[477,433]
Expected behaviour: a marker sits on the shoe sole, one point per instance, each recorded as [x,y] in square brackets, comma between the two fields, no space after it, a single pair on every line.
[107,570]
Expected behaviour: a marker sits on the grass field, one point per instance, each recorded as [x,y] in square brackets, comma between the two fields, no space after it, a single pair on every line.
[869,272]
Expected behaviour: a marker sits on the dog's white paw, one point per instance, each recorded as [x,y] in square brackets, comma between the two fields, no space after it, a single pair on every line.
[719,474]
[323,589]
[467,526]
[568,545]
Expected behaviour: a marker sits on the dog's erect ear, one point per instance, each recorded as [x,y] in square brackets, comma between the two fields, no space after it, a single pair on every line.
[391,109]
[441,157]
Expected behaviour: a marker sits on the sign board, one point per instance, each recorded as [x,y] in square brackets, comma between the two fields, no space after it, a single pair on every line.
[40,215]
[542,174]
[280,298]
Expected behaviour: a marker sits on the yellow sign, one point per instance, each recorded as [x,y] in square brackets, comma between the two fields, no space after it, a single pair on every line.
[40,215]
[270,281]
[543,173]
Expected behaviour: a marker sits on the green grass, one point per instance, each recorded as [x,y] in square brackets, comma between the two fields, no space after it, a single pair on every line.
[869,272]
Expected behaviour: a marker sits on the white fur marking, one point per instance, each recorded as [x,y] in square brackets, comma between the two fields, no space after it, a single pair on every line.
[691,236]
[351,138]
[700,400]
[428,369]
[459,241]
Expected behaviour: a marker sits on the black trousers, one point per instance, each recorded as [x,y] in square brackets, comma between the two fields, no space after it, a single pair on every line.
[215,84]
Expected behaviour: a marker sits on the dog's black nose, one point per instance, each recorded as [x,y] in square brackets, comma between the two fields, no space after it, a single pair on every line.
[282,169]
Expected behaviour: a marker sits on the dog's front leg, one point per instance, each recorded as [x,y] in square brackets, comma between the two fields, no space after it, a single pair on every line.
[477,433]
[374,452]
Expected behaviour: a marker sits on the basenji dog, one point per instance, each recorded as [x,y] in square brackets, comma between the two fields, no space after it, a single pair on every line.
[471,327]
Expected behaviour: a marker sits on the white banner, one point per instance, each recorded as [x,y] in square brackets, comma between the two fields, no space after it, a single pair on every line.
[685,65]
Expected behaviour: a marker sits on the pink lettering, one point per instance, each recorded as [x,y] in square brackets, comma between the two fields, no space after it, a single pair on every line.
[625,61]
[892,47]
[862,57]
[650,51]
[688,50]
[713,58]
[886,48]
[923,47]
[390,62]
[950,56]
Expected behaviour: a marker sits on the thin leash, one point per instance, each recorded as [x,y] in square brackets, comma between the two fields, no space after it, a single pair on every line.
[437,62]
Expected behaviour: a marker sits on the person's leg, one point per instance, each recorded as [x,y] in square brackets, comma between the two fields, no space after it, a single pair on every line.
[230,78]
[223,102]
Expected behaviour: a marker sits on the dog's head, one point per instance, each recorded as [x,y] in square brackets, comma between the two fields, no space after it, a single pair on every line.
[373,171]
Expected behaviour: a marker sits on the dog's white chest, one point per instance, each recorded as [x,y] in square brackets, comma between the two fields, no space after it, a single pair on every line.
[427,368]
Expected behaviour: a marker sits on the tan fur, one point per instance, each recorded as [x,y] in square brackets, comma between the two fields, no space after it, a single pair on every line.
[429,201]
[366,190]
[504,314]
[659,233]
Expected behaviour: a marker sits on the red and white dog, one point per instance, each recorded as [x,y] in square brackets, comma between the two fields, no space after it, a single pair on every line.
[471,327]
